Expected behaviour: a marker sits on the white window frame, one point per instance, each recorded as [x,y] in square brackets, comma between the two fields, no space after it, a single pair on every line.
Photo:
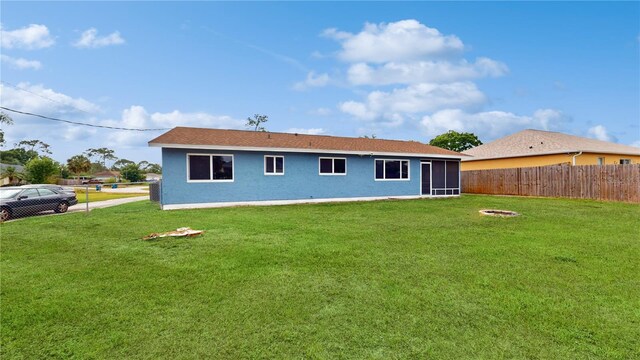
[233,168]
[601,160]
[625,161]
[274,173]
[333,166]
[384,170]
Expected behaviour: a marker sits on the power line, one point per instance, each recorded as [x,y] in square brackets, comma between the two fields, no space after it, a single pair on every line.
[79,123]
[44,97]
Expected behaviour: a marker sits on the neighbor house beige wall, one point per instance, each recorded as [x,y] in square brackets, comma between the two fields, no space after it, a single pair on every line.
[543,160]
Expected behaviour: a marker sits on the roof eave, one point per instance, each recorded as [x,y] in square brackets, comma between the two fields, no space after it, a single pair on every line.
[568,152]
[298,150]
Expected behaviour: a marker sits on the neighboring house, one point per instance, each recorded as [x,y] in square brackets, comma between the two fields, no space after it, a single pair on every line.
[152,177]
[106,175]
[539,148]
[209,168]
[5,180]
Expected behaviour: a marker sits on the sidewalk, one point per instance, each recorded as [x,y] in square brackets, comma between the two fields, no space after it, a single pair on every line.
[106,203]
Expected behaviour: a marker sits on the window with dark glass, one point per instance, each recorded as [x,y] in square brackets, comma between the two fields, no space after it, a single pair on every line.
[199,167]
[274,165]
[392,169]
[222,167]
[210,167]
[333,166]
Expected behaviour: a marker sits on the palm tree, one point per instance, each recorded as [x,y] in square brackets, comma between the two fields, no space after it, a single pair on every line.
[12,174]
[78,164]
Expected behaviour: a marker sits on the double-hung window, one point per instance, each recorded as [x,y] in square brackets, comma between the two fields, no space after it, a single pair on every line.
[205,167]
[333,166]
[387,169]
[273,165]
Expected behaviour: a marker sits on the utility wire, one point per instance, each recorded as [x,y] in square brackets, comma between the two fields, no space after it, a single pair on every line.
[79,123]
[44,97]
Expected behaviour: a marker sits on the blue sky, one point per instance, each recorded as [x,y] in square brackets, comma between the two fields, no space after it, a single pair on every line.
[397,70]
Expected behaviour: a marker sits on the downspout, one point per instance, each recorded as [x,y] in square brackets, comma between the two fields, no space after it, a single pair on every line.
[574,158]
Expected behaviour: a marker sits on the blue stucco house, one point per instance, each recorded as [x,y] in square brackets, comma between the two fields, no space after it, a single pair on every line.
[212,167]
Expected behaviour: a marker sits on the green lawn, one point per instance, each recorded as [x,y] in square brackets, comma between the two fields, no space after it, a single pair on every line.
[387,279]
[100,196]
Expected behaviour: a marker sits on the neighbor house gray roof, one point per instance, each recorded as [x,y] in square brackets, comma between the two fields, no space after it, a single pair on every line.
[537,142]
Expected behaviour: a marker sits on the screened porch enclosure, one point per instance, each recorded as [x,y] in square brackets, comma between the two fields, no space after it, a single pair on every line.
[440,177]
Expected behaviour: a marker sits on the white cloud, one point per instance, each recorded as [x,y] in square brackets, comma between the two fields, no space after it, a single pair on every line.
[404,40]
[312,80]
[76,133]
[490,125]
[321,111]
[137,117]
[636,143]
[311,131]
[20,63]
[599,132]
[424,71]
[90,39]
[415,99]
[31,37]
[40,100]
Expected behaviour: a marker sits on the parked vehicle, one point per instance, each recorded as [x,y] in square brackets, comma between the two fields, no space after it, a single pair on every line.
[21,201]
[58,188]
[91,181]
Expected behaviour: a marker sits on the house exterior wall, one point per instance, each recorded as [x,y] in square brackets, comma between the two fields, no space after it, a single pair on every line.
[301,179]
[543,160]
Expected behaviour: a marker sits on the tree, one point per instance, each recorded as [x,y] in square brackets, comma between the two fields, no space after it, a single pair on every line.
[456,141]
[256,121]
[31,145]
[12,174]
[118,165]
[6,120]
[102,154]
[17,156]
[79,164]
[153,168]
[132,173]
[372,136]
[39,169]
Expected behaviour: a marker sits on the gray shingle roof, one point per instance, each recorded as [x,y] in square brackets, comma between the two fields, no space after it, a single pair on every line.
[537,142]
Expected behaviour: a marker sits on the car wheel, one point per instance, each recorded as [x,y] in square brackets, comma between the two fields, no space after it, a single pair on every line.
[5,214]
[62,207]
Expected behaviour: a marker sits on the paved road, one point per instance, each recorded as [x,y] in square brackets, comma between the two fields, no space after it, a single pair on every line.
[106,203]
[126,190]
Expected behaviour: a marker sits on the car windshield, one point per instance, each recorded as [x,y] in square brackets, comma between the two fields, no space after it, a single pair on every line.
[8,193]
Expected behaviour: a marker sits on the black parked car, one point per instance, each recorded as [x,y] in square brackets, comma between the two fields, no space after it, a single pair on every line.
[57,188]
[20,201]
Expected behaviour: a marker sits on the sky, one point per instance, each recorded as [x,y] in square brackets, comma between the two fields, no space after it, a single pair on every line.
[396,70]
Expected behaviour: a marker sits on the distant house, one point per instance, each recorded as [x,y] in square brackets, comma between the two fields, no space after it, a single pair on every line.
[106,175]
[210,167]
[152,177]
[539,148]
[5,180]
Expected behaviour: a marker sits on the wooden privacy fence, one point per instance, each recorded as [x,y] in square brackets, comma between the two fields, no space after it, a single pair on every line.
[600,182]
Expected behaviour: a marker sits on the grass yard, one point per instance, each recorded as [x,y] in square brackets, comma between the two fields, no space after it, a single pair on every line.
[100,196]
[386,279]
